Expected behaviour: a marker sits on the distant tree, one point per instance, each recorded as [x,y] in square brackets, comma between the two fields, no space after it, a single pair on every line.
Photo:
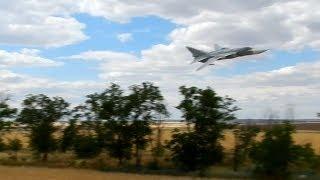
[14,145]
[145,103]
[209,114]
[244,140]
[39,112]
[276,153]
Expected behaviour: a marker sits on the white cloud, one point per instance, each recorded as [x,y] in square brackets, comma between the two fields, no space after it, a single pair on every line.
[268,23]
[201,23]
[167,67]
[26,57]
[19,85]
[39,23]
[125,37]
[273,24]
[104,56]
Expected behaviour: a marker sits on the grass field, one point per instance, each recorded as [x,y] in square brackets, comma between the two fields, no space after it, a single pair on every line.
[59,160]
[300,137]
[39,173]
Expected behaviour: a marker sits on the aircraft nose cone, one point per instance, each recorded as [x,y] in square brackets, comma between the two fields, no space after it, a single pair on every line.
[261,51]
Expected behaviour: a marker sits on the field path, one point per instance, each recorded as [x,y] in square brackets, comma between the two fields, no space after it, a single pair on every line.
[39,173]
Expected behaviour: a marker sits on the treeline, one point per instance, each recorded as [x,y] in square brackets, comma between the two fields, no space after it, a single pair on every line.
[119,124]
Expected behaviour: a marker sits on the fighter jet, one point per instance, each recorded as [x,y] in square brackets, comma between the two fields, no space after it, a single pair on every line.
[220,53]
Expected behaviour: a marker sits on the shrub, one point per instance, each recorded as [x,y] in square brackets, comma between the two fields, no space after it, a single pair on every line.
[14,145]
[276,153]
[86,146]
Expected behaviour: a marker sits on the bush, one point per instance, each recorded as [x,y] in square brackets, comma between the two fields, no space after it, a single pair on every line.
[2,145]
[69,134]
[86,146]
[191,151]
[14,145]
[244,140]
[277,153]
[200,147]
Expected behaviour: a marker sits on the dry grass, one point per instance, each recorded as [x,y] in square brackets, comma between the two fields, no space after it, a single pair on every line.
[62,160]
[300,137]
[37,173]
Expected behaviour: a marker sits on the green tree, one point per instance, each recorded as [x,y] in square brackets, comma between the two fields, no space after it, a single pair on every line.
[106,106]
[110,121]
[6,112]
[120,145]
[208,114]
[69,136]
[14,145]
[38,114]
[71,131]
[86,146]
[245,136]
[145,103]
[158,148]
[3,145]
[276,153]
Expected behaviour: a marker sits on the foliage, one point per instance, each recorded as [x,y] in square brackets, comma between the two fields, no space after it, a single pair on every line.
[145,103]
[120,145]
[86,146]
[14,145]
[276,153]
[209,114]
[39,113]
[6,112]
[3,146]
[158,149]
[109,121]
[69,135]
[244,140]
[192,151]
[106,106]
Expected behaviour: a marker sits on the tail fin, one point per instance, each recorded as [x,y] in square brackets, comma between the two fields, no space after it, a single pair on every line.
[196,52]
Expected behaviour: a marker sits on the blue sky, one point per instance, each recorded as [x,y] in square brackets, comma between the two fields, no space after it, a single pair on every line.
[74,48]
[146,31]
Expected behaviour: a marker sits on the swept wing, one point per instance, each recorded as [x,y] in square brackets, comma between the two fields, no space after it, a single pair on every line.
[198,55]
[215,58]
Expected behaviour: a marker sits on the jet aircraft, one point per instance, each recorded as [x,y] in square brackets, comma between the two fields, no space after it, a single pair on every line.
[220,53]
